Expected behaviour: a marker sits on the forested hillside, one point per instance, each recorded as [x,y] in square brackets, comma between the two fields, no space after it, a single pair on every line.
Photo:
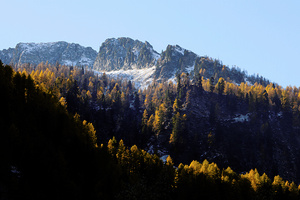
[195,119]
[46,153]
[57,120]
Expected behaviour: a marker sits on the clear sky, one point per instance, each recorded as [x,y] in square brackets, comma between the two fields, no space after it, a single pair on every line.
[259,36]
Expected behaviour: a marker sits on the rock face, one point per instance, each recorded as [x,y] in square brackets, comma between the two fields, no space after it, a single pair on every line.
[127,58]
[125,53]
[6,55]
[175,60]
[62,52]
[132,58]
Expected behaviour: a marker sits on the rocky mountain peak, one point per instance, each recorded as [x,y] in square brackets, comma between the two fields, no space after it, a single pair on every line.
[134,59]
[175,59]
[125,53]
[127,58]
[62,52]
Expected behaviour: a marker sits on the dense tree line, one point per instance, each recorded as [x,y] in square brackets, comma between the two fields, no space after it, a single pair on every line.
[159,112]
[154,118]
[82,88]
[46,153]
[145,176]
[210,67]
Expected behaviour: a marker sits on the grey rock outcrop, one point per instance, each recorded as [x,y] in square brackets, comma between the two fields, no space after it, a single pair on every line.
[127,58]
[125,53]
[6,55]
[175,60]
[62,52]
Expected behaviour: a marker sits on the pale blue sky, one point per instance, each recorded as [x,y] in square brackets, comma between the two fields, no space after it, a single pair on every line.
[260,36]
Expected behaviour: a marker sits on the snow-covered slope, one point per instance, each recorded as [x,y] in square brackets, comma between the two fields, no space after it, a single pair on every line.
[141,77]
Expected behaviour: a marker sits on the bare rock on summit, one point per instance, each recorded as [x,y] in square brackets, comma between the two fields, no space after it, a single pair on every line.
[125,57]
[125,53]
[130,59]
[175,60]
[62,52]
[6,55]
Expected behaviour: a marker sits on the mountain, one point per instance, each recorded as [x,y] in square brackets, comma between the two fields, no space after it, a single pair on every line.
[139,62]
[127,58]
[48,153]
[175,60]
[243,126]
[62,52]
[125,53]
[7,55]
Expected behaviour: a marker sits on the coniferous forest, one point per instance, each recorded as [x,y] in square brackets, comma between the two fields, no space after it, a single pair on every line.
[70,133]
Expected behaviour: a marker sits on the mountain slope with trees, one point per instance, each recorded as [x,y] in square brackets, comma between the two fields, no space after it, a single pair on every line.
[244,126]
[55,119]
[48,153]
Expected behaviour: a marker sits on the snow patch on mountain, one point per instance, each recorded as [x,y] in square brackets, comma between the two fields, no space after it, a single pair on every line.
[68,63]
[29,47]
[155,55]
[164,158]
[141,77]
[136,52]
[241,118]
[190,69]
[179,49]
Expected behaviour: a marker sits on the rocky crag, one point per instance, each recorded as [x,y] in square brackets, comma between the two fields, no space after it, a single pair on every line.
[55,52]
[127,58]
